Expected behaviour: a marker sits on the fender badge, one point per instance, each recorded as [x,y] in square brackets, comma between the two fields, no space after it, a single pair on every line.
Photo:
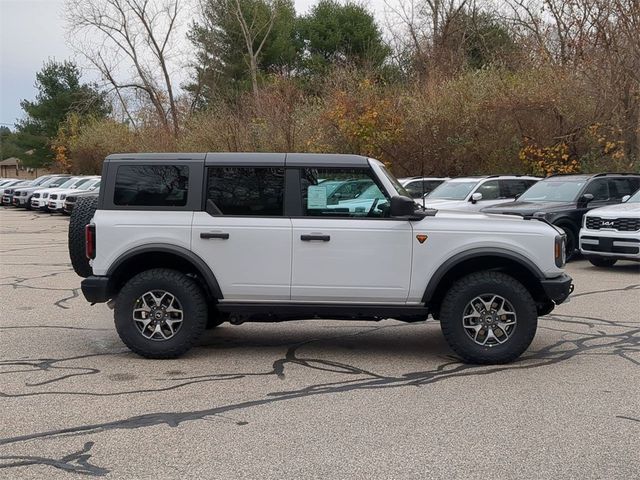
[422,238]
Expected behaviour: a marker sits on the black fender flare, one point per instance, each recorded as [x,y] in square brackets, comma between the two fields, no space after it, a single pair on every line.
[457,259]
[200,265]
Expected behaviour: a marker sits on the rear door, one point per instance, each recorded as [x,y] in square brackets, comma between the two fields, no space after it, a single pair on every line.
[351,250]
[242,233]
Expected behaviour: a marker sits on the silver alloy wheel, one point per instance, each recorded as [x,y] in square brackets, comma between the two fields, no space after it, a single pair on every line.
[489,320]
[158,315]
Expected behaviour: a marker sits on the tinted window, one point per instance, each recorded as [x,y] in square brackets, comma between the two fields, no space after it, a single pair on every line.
[317,200]
[490,190]
[619,187]
[513,188]
[599,189]
[152,185]
[417,187]
[245,191]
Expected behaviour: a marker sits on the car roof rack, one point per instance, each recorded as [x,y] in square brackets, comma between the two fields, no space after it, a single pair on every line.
[614,173]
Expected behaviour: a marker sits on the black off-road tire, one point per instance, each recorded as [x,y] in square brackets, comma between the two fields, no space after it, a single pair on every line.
[602,261]
[480,283]
[80,218]
[188,293]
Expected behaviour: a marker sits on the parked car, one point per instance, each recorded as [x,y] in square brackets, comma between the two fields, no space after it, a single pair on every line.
[10,184]
[7,196]
[564,199]
[419,187]
[72,198]
[5,181]
[612,233]
[176,250]
[57,197]
[475,193]
[40,197]
[22,196]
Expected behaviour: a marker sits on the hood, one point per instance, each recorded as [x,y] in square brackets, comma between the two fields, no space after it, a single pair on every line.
[529,208]
[626,209]
[444,204]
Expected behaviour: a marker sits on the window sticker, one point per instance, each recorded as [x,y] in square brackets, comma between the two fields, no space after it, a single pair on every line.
[316,196]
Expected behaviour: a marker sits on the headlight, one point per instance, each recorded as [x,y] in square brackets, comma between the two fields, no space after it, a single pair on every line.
[559,250]
[24,194]
[62,197]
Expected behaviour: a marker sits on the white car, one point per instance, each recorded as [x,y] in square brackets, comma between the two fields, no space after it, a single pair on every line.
[6,183]
[475,193]
[40,198]
[612,233]
[59,195]
[184,241]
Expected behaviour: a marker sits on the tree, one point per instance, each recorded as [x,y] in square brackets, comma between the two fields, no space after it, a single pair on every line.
[60,92]
[131,33]
[8,145]
[341,34]
[237,40]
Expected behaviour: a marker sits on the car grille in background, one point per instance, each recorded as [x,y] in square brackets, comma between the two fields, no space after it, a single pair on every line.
[621,224]
[36,195]
[71,199]
[53,196]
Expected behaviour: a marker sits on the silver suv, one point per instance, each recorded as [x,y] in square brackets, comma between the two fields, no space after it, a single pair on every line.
[181,242]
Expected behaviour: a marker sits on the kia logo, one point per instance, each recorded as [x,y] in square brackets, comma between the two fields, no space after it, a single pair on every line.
[607,223]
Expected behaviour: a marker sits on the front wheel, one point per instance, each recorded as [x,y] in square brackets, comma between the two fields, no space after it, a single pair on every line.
[602,261]
[160,313]
[488,318]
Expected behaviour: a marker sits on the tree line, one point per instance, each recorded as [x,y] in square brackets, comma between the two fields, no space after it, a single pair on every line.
[444,87]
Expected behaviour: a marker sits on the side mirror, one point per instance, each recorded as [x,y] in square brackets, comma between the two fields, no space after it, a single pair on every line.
[625,198]
[517,196]
[402,206]
[584,200]
[476,197]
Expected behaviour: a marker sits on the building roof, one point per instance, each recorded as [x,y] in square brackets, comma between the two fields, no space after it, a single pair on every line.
[11,162]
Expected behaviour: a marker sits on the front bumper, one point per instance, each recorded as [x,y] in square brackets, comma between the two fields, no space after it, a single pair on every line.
[96,289]
[558,289]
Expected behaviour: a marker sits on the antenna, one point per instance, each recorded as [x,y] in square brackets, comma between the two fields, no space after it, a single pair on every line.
[424,205]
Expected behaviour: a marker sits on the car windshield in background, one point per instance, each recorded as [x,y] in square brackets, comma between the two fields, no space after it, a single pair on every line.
[553,191]
[635,198]
[69,183]
[396,184]
[453,190]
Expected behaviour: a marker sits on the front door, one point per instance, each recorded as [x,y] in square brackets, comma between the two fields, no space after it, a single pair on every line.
[243,235]
[348,249]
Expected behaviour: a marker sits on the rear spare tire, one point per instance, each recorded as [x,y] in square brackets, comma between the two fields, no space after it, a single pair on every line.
[80,218]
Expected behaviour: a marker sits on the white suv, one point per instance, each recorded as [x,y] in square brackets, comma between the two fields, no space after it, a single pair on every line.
[179,242]
[475,193]
[612,233]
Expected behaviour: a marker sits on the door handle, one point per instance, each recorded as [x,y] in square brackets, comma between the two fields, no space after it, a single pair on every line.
[309,238]
[208,235]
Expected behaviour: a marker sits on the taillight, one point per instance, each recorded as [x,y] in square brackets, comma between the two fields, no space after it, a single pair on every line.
[90,240]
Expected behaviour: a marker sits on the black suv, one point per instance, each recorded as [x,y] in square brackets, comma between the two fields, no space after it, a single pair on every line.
[564,199]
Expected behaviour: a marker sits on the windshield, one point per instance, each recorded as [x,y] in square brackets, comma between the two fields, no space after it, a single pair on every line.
[553,191]
[69,183]
[452,190]
[635,198]
[396,184]
[41,181]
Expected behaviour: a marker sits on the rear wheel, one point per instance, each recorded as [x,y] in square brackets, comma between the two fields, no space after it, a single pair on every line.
[488,318]
[602,261]
[80,218]
[160,313]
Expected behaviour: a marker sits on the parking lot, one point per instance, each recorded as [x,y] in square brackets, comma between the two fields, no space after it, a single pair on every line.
[308,399]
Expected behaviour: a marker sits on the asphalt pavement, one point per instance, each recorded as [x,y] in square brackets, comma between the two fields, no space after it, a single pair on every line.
[307,399]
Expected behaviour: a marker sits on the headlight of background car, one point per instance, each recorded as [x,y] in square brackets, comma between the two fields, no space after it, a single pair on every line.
[62,197]
[559,251]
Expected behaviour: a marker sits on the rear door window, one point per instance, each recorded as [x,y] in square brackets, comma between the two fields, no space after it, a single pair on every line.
[619,187]
[513,188]
[245,191]
[152,185]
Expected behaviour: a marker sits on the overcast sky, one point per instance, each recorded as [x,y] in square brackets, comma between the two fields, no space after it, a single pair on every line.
[32,31]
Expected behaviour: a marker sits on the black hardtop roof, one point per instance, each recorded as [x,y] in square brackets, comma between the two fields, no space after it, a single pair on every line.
[248,158]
